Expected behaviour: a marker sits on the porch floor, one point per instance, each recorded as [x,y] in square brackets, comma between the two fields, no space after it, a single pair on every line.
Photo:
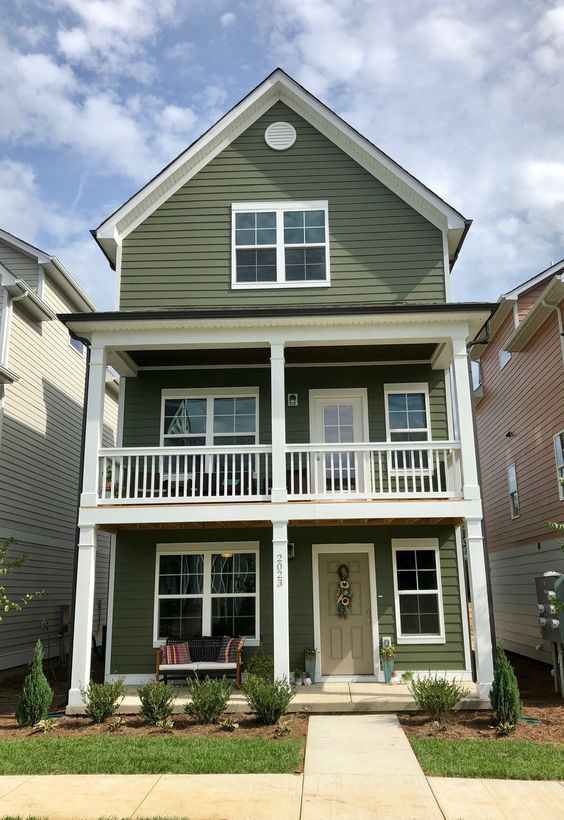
[336,698]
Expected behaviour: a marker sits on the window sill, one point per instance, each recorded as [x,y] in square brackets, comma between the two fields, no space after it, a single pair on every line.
[277,285]
[420,639]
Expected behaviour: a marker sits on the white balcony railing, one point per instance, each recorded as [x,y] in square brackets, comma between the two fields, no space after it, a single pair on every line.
[387,470]
[135,475]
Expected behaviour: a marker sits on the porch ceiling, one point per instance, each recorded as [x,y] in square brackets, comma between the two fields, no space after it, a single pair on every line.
[293,355]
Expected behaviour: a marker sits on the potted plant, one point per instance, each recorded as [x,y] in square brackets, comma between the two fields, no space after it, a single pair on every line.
[298,677]
[310,659]
[387,654]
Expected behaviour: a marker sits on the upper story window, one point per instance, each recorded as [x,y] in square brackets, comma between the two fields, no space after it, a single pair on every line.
[513,491]
[407,412]
[280,244]
[202,418]
[559,457]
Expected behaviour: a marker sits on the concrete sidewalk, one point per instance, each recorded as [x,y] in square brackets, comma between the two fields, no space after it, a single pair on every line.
[357,767]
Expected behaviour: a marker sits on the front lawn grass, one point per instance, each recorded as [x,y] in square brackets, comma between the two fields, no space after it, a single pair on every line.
[506,759]
[149,755]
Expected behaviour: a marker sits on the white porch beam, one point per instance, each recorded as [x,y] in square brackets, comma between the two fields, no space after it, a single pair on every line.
[280,614]
[83,614]
[465,420]
[122,363]
[480,605]
[94,422]
[278,409]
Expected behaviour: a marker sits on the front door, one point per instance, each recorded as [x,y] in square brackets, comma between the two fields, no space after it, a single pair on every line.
[338,417]
[346,637]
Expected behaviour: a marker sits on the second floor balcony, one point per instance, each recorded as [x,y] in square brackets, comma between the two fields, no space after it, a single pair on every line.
[313,472]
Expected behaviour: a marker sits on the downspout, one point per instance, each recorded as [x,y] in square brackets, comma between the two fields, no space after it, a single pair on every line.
[86,343]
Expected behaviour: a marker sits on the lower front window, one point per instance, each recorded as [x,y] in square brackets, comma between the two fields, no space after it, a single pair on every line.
[207,592]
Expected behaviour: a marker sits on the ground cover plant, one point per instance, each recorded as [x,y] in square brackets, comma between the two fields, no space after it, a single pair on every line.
[209,698]
[268,700]
[437,695]
[157,702]
[103,699]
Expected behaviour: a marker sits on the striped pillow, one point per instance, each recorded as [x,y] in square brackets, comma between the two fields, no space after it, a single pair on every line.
[229,649]
[175,653]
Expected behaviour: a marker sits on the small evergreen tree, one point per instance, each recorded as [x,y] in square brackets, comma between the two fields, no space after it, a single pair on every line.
[36,695]
[504,694]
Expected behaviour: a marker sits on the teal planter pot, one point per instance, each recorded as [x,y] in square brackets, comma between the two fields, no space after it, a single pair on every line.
[388,667]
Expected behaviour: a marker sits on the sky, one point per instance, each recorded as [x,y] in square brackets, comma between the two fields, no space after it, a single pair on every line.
[97,95]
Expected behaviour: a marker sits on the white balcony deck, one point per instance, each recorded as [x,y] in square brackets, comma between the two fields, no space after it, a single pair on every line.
[314,472]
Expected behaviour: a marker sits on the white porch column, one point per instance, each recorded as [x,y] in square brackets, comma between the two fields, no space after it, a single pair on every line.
[465,420]
[280,618]
[480,605]
[83,613]
[94,421]
[278,402]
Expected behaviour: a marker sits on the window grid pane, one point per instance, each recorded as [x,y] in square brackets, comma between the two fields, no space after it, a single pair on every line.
[417,585]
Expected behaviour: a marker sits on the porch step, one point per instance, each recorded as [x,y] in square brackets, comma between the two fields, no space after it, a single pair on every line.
[332,698]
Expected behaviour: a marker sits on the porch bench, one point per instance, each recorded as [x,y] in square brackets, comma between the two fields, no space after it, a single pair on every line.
[205,654]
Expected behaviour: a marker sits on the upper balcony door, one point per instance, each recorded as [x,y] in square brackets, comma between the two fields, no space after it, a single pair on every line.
[339,417]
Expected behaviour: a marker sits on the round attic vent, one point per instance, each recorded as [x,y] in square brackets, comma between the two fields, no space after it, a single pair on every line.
[280,136]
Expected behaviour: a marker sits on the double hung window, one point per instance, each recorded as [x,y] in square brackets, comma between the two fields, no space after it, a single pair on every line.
[407,420]
[513,491]
[418,596]
[280,244]
[559,458]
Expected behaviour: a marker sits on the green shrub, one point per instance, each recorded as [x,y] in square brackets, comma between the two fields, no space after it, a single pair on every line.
[157,702]
[37,695]
[103,699]
[261,666]
[268,700]
[209,698]
[504,694]
[437,695]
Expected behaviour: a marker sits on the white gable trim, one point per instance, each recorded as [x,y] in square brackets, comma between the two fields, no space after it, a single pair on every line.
[278,87]
[535,280]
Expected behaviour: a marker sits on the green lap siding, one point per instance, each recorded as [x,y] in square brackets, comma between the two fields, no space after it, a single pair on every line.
[381,250]
[132,636]
[142,409]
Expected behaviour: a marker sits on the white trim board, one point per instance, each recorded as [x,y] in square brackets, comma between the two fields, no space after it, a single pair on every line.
[279,86]
[367,549]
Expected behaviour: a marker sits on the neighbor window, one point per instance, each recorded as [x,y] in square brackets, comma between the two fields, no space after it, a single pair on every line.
[513,492]
[418,597]
[206,590]
[559,457]
[504,357]
[200,418]
[275,244]
[76,345]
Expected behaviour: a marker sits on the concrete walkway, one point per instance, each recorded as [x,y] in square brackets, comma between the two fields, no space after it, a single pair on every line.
[357,767]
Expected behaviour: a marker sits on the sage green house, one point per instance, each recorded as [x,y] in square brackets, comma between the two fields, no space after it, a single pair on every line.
[296,461]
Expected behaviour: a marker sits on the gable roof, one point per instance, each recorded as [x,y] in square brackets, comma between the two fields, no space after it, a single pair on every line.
[54,268]
[279,86]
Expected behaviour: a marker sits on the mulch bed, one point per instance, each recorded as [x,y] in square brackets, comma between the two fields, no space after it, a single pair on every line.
[480,724]
[183,726]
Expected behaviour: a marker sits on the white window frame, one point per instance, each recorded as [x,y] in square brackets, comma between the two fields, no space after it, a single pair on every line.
[210,393]
[207,549]
[513,489]
[279,208]
[410,544]
[407,387]
[559,461]
[503,357]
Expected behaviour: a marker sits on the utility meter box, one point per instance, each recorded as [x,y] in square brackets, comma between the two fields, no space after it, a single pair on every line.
[559,590]
[547,605]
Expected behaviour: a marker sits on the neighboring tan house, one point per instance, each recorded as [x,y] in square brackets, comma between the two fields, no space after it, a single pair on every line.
[519,406]
[42,381]
[296,401]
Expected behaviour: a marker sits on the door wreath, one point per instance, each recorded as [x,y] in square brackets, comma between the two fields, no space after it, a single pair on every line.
[344,592]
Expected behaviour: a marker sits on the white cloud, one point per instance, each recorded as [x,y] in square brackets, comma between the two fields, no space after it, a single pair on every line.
[227,19]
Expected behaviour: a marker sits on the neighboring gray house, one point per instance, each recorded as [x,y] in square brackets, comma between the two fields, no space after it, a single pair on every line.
[42,378]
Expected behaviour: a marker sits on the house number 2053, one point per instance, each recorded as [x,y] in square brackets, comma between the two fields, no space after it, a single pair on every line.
[279,564]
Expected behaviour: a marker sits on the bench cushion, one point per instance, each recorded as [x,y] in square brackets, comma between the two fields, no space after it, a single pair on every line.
[229,649]
[195,667]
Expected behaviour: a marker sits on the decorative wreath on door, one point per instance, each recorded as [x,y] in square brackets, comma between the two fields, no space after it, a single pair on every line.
[344,592]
